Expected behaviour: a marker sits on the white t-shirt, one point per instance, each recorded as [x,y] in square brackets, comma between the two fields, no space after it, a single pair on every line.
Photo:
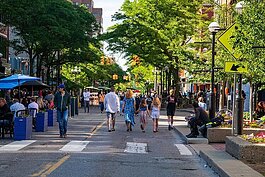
[35,106]
[17,107]
[112,102]
[86,96]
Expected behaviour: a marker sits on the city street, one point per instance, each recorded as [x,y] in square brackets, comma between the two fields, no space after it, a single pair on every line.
[90,150]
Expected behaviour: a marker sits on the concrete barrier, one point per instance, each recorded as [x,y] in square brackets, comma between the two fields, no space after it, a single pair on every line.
[218,134]
[242,149]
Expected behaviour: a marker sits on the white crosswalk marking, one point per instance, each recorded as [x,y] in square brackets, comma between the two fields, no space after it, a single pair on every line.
[183,150]
[74,146]
[16,145]
[132,147]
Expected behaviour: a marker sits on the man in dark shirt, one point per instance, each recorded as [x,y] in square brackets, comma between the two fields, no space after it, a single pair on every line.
[6,115]
[201,118]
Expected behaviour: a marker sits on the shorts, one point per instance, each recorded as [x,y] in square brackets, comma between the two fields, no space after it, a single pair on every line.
[170,112]
[155,114]
[111,115]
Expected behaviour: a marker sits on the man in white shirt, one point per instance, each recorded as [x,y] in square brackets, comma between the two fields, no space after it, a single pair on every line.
[33,105]
[16,106]
[86,96]
[112,106]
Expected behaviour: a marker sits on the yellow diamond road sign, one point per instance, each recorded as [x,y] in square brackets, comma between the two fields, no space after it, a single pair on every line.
[226,37]
[235,67]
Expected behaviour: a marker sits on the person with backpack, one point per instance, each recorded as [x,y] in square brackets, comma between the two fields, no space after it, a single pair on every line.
[201,118]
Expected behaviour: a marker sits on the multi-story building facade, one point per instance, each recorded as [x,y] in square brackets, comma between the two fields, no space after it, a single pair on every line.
[4,54]
[97,12]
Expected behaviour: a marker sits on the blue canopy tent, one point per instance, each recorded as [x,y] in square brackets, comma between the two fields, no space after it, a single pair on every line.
[15,81]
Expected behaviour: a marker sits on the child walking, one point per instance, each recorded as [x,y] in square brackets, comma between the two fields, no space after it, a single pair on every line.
[155,113]
[143,109]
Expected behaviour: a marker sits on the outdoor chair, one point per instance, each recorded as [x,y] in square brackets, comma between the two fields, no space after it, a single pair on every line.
[7,124]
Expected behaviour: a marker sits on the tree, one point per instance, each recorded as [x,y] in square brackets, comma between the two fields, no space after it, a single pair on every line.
[155,30]
[48,27]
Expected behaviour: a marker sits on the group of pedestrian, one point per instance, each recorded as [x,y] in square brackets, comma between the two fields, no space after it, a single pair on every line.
[129,108]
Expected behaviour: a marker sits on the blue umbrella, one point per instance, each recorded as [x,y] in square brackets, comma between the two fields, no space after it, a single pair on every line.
[15,80]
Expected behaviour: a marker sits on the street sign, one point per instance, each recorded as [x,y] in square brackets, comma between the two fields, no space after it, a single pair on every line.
[225,40]
[235,67]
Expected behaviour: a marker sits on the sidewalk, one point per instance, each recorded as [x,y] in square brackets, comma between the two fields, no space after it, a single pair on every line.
[214,154]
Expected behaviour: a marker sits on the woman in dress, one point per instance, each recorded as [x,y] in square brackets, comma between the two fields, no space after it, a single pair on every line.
[155,114]
[129,110]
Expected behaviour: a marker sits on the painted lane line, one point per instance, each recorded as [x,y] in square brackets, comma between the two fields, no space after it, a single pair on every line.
[183,150]
[74,146]
[55,166]
[16,145]
[132,147]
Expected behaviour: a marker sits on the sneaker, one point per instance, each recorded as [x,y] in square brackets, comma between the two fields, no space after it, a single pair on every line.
[109,130]
[143,131]
[113,129]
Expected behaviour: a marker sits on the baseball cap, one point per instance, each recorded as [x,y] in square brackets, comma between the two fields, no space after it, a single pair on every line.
[61,86]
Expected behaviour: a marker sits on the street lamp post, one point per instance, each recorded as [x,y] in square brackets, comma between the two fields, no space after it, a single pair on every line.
[213,28]
[239,99]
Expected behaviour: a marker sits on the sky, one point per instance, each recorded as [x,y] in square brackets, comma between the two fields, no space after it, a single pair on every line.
[109,8]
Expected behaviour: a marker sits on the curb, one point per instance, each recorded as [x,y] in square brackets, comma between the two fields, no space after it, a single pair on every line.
[226,165]
[191,140]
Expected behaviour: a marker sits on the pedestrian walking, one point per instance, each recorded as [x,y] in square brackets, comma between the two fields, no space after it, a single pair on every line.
[171,108]
[86,96]
[121,103]
[101,98]
[137,103]
[156,105]
[61,103]
[129,110]
[143,109]
[112,106]
[149,101]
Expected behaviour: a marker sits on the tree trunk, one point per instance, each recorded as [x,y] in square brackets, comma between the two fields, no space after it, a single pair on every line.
[31,62]
[251,101]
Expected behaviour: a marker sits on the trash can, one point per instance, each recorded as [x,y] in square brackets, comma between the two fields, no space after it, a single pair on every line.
[51,118]
[41,122]
[22,128]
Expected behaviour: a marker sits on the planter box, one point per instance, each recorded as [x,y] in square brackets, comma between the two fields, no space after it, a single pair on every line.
[22,128]
[242,149]
[52,116]
[41,122]
[218,135]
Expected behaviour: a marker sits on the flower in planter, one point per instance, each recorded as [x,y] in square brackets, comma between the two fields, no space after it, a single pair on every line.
[259,138]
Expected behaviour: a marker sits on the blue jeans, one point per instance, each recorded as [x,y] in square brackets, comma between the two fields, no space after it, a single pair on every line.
[86,105]
[62,117]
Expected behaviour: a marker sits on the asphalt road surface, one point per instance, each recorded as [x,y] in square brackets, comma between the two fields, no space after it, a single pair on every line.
[91,151]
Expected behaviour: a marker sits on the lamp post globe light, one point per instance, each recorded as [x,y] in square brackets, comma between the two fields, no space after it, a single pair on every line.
[213,28]
[239,7]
